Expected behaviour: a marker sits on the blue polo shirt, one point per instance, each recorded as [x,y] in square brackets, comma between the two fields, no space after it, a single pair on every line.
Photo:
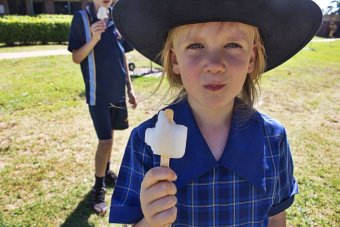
[108,84]
[252,181]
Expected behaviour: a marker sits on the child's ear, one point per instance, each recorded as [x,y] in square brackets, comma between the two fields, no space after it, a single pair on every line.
[174,62]
[252,59]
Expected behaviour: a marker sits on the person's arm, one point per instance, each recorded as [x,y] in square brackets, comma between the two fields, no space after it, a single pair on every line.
[130,91]
[287,186]
[80,54]
[278,220]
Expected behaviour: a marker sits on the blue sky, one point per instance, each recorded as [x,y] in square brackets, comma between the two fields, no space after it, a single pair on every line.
[323,3]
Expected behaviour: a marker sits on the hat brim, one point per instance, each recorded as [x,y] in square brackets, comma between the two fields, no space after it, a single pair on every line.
[286,26]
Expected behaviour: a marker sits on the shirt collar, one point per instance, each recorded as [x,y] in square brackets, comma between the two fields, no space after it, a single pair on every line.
[243,154]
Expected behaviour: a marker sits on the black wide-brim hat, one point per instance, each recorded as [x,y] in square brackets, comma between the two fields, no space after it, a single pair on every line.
[286,26]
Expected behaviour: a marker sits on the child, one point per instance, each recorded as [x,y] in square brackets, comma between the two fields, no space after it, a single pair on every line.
[95,45]
[237,169]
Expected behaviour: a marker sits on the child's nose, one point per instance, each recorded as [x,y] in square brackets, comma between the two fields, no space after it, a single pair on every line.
[214,63]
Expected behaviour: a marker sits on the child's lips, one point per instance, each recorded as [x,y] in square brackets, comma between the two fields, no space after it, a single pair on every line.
[214,87]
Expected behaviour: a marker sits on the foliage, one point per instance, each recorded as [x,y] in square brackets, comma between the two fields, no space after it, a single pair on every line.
[333,8]
[37,29]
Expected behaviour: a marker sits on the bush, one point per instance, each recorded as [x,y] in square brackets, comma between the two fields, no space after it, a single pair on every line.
[33,30]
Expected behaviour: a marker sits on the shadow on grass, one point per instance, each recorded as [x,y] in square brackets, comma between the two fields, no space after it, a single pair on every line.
[80,215]
[82,94]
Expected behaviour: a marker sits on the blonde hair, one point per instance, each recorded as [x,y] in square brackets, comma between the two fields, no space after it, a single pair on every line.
[249,93]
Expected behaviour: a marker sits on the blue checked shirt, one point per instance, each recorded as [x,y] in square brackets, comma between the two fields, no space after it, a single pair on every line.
[252,181]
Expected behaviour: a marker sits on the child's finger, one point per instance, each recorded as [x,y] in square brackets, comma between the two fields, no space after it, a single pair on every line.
[99,23]
[162,204]
[158,191]
[99,28]
[167,217]
[157,174]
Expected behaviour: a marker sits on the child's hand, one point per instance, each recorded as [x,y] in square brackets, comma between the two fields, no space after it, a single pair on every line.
[97,29]
[132,99]
[158,198]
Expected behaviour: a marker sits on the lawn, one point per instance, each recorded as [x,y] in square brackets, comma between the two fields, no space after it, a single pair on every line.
[47,141]
[6,49]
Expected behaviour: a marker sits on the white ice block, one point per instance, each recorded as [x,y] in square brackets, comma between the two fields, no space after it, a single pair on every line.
[102,13]
[167,139]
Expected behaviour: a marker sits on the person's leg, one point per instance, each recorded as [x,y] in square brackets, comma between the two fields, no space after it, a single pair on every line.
[109,156]
[99,190]
[102,157]
[110,176]
[119,121]
[101,120]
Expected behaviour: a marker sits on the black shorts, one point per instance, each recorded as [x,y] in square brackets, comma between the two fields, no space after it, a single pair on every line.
[108,118]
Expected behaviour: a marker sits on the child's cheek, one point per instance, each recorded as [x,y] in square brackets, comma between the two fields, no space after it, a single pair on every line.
[193,62]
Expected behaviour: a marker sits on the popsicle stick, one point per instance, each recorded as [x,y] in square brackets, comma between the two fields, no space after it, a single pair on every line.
[169,113]
[165,161]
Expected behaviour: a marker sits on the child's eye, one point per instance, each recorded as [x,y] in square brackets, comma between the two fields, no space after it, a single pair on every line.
[195,46]
[233,45]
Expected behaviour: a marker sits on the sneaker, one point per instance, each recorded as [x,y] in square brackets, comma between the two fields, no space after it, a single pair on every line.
[110,178]
[99,205]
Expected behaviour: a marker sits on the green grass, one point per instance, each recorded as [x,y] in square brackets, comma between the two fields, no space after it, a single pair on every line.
[304,95]
[47,141]
[6,49]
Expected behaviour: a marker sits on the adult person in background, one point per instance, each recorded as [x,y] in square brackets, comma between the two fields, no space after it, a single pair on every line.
[333,27]
[98,48]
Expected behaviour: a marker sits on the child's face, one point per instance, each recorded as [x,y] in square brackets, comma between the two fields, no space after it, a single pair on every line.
[213,60]
[105,3]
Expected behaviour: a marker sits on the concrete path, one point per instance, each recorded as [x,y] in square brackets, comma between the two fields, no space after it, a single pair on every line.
[28,54]
[40,53]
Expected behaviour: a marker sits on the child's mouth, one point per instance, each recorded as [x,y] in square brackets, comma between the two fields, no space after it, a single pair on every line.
[214,87]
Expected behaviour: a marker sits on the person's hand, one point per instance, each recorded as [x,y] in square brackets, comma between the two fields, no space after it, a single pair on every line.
[157,197]
[97,29]
[132,99]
